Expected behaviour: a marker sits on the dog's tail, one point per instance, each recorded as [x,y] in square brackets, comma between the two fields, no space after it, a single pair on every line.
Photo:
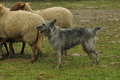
[95,30]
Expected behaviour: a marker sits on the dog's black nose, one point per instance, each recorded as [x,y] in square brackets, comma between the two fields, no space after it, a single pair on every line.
[37,27]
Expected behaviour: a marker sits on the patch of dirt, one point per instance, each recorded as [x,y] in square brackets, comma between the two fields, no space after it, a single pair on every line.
[94,16]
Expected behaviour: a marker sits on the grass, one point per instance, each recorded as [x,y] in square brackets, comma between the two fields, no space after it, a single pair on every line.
[73,67]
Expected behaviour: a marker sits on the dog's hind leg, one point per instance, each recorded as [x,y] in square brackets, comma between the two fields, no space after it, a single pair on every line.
[92,58]
[88,49]
[59,52]
[97,57]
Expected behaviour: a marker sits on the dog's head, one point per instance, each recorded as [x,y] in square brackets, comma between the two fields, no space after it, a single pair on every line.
[46,27]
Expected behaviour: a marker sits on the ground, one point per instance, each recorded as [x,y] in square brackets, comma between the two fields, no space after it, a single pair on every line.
[81,16]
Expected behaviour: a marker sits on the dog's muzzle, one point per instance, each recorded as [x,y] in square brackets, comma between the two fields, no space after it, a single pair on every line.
[41,31]
[39,28]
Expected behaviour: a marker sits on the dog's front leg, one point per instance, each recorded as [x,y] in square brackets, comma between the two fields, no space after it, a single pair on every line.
[59,58]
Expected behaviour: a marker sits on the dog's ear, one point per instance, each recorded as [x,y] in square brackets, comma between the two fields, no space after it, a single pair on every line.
[53,22]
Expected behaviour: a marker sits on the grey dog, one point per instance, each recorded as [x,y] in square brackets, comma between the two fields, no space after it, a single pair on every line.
[63,39]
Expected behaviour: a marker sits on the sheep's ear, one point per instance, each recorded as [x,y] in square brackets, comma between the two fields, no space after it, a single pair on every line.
[1,7]
[28,3]
[2,4]
[21,5]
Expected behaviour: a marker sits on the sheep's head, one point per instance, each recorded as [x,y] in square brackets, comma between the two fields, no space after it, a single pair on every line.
[19,6]
[1,7]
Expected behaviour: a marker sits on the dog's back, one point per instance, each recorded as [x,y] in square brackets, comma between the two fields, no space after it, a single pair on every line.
[67,38]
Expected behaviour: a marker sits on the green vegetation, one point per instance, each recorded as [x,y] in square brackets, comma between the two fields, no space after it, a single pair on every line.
[73,67]
[99,4]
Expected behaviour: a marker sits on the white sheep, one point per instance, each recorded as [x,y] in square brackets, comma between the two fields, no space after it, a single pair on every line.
[64,16]
[20,26]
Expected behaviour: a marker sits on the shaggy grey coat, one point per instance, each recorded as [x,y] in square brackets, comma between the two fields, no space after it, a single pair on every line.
[62,39]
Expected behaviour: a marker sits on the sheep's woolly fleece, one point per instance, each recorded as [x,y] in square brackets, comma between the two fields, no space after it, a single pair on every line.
[64,16]
[19,24]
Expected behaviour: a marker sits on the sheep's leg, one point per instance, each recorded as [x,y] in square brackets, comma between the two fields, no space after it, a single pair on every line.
[37,56]
[1,52]
[59,52]
[38,53]
[5,45]
[39,50]
[23,47]
[20,40]
[2,41]
[33,53]
[39,42]
[11,49]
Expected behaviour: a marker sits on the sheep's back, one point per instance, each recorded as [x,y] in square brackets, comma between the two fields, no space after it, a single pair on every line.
[64,16]
[22,24]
